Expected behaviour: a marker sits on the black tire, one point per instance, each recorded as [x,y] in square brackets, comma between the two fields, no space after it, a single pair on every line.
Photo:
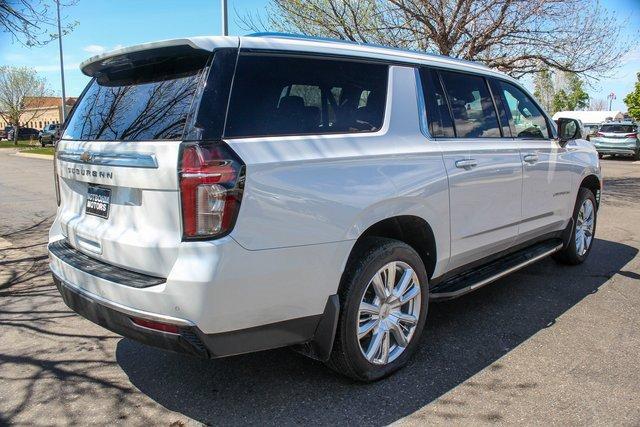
[43,144]
[374,253]
[569,254]
[600,155]
[636,156]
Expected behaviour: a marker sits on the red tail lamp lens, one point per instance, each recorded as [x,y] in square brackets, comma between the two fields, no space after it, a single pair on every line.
[156,326]
[211,189]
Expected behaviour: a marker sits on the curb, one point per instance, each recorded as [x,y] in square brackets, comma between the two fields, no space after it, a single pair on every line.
[34,156]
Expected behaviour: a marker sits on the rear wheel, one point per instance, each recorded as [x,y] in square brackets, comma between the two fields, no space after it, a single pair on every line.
[577,248]
[384,300]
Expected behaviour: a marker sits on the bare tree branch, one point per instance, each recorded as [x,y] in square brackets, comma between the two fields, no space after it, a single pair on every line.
[518,37]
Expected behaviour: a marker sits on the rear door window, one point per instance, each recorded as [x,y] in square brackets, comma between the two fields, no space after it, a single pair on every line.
[438,114]
[277,95]
[471,104]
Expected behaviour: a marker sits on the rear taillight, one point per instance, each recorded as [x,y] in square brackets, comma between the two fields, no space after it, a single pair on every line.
[631,135]
[599,134]
[211,184]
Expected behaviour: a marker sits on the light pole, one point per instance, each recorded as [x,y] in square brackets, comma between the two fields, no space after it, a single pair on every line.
[64,113]
[225,21]
[611,97]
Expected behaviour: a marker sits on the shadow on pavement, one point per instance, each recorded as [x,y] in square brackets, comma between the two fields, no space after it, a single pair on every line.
[462,337]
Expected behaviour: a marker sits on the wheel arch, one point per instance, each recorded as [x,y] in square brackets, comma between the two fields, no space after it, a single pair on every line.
[410,229]
[593,183]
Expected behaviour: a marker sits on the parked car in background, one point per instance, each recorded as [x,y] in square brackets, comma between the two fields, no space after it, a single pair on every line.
[49,134]
[618,139]
[287,191]
[4,133]
[24,133]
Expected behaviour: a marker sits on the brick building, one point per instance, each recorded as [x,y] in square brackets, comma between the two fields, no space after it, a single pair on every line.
[42,111]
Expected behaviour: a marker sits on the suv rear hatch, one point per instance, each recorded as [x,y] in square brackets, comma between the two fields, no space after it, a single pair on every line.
[118,158]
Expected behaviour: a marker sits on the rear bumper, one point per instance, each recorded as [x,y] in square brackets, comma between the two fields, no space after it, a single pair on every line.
[84,284]
[619,151]
[315,331]
[118,318]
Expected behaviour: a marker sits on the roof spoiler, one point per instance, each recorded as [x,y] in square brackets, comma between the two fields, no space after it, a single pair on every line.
[127,56]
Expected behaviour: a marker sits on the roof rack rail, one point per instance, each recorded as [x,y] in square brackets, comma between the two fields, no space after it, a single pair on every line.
[294,36]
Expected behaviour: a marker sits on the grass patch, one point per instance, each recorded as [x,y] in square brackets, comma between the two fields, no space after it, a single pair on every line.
[39,150]
[21,143]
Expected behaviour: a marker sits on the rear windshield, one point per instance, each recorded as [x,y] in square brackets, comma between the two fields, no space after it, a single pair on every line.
[149,102]
[618,128]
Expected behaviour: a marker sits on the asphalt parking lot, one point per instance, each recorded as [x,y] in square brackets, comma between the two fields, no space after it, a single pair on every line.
[547,345]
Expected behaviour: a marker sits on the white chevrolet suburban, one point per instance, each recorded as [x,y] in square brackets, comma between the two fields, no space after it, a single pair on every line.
[224,195]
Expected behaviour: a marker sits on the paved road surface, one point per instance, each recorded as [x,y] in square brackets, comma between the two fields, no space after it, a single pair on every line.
[548,345]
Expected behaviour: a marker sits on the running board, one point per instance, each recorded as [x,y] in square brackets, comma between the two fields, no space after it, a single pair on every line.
[477,278]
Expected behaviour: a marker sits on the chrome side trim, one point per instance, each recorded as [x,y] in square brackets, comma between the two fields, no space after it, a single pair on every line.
[123,308]
[460,292]
[129,160]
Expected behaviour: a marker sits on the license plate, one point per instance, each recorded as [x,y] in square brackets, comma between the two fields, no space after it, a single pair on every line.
[98,201]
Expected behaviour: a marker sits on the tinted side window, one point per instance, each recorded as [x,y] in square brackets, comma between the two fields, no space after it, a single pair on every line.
[274,96]
[496,91]
[471,105]
[528,121]
[438,114]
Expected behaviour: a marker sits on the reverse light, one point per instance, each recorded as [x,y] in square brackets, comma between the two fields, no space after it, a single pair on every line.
[211,183]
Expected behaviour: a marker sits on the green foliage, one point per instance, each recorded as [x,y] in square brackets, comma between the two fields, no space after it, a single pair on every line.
[572,97]
[633,100]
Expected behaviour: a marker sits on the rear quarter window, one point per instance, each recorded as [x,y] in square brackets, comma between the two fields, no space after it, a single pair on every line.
[277,95]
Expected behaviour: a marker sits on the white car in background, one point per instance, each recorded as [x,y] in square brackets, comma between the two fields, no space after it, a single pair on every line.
[224,195]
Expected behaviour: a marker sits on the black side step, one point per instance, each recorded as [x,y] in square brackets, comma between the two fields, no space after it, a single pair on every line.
[478,277]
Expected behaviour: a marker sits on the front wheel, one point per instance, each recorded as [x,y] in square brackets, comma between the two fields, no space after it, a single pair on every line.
[384,298]
[576,250]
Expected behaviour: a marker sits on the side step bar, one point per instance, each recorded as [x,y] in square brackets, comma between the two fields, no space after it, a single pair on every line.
[477,278]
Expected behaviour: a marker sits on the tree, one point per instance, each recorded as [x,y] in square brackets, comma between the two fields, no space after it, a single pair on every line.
[31,22]
[632,100]
[515,36]
[598,104]
[21,93]
[544,89]
[578,99]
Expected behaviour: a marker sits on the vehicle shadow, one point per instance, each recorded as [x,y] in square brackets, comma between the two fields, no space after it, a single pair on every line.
[463,337]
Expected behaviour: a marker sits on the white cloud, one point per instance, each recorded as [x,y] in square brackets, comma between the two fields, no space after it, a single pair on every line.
[94,49]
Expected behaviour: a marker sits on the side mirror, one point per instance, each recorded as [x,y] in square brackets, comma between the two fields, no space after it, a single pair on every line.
[568,129]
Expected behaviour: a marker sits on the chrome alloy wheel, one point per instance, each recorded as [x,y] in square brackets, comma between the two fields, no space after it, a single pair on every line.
[584,227]
[389,312]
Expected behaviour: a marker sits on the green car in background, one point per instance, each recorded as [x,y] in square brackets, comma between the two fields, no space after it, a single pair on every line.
[618,138]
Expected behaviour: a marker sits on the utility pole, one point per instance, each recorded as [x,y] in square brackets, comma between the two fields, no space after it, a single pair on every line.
[64,97]
[225,21]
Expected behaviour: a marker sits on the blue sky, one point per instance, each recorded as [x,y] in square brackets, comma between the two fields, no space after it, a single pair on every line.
[106,24]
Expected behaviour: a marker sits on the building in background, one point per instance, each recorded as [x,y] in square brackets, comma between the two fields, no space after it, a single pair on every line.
[41,111]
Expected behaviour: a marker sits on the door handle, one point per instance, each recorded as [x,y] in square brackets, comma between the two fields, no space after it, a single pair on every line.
[466,164]
[530,158]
